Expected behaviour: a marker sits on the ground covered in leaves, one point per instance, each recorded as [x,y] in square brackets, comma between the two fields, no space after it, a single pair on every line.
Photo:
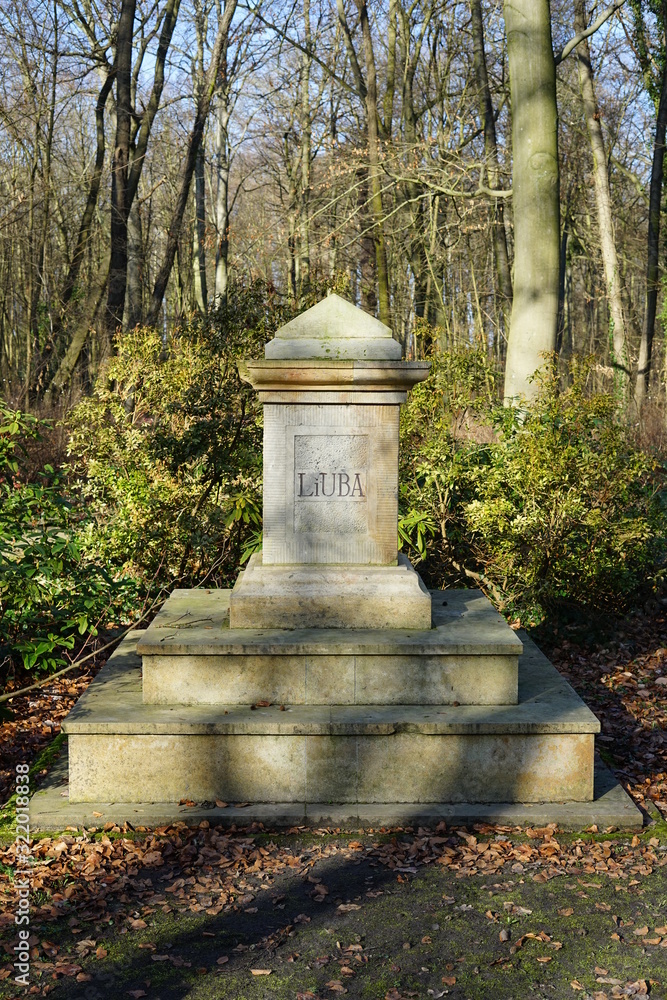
[389,914]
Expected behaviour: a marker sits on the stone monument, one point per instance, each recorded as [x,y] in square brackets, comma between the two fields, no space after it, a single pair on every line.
[332,385]
[330,686]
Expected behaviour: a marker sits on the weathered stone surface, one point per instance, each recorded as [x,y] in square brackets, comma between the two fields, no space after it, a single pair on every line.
[50,809]
[330,484]
[196,622]
[538,750]
[329,680]
[257,768]
[334,328]
[332,597]
[113,704]
[380,768]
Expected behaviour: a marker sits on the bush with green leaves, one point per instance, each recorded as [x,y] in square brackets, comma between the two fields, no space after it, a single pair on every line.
[546,507]
[52,594]
[167,450]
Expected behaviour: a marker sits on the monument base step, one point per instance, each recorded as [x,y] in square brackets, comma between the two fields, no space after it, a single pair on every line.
[50,809]
[352,597]
[540,750]
[192,656]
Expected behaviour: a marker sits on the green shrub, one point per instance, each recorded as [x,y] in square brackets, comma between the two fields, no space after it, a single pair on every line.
[556,508]
[51,594]
[167,450]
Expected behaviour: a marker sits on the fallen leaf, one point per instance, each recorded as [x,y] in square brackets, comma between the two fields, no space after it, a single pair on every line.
[544,959]
[566,911]
[261,972]
[601,972]
[504,934]
[641,931]
[576,985]
[138,925]
[348,907]
[220,804]
[449,980]
[222,960]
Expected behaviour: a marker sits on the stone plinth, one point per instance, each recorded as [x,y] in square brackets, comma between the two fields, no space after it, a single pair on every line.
[191,656]
[353,597]
[330,556]
[539,750]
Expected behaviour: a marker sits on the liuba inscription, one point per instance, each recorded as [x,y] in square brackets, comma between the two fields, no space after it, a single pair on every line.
[328,485]
[331,483]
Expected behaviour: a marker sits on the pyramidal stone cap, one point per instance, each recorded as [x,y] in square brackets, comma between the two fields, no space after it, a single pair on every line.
[337,330]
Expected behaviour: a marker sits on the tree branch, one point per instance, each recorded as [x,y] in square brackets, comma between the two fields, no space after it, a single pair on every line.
[597,23]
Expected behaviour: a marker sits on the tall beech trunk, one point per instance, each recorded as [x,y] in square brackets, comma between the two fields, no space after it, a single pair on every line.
[133,314]
[374,170]
[120,203]
[620,355]
[306,154]
[222,199]
[188,166]
[199,255]
[535,186]
[652,259]
[501,256]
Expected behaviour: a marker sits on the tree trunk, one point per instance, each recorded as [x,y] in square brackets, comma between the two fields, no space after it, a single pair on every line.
[120,207]
[374,172]
[80,332]
[306,153]
[222,200]
[135,259]
[485,104]
[620,357]
[535,185]
[187,170]
[652,259]
[91,202]
[199,255]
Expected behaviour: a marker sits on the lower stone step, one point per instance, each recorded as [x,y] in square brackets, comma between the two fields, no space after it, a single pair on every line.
[540,750]
[50,809]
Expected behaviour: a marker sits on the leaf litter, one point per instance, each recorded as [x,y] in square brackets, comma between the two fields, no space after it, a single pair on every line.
[117,873]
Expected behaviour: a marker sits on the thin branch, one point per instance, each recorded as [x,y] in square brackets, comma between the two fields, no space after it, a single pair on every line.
[597,23]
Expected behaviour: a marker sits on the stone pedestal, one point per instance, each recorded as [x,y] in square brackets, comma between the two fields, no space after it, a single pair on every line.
[329,686]
[330,555]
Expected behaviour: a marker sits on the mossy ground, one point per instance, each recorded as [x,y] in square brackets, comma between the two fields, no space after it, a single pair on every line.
[414,928]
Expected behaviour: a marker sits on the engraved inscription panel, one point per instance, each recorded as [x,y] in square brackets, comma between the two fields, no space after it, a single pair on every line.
[331,483]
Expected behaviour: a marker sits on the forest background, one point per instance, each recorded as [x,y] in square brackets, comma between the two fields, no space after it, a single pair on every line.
[179,179]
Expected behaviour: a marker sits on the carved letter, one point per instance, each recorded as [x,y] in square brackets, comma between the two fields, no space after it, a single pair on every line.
[301,493]
[333,484]
[343,480]
[356,486]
